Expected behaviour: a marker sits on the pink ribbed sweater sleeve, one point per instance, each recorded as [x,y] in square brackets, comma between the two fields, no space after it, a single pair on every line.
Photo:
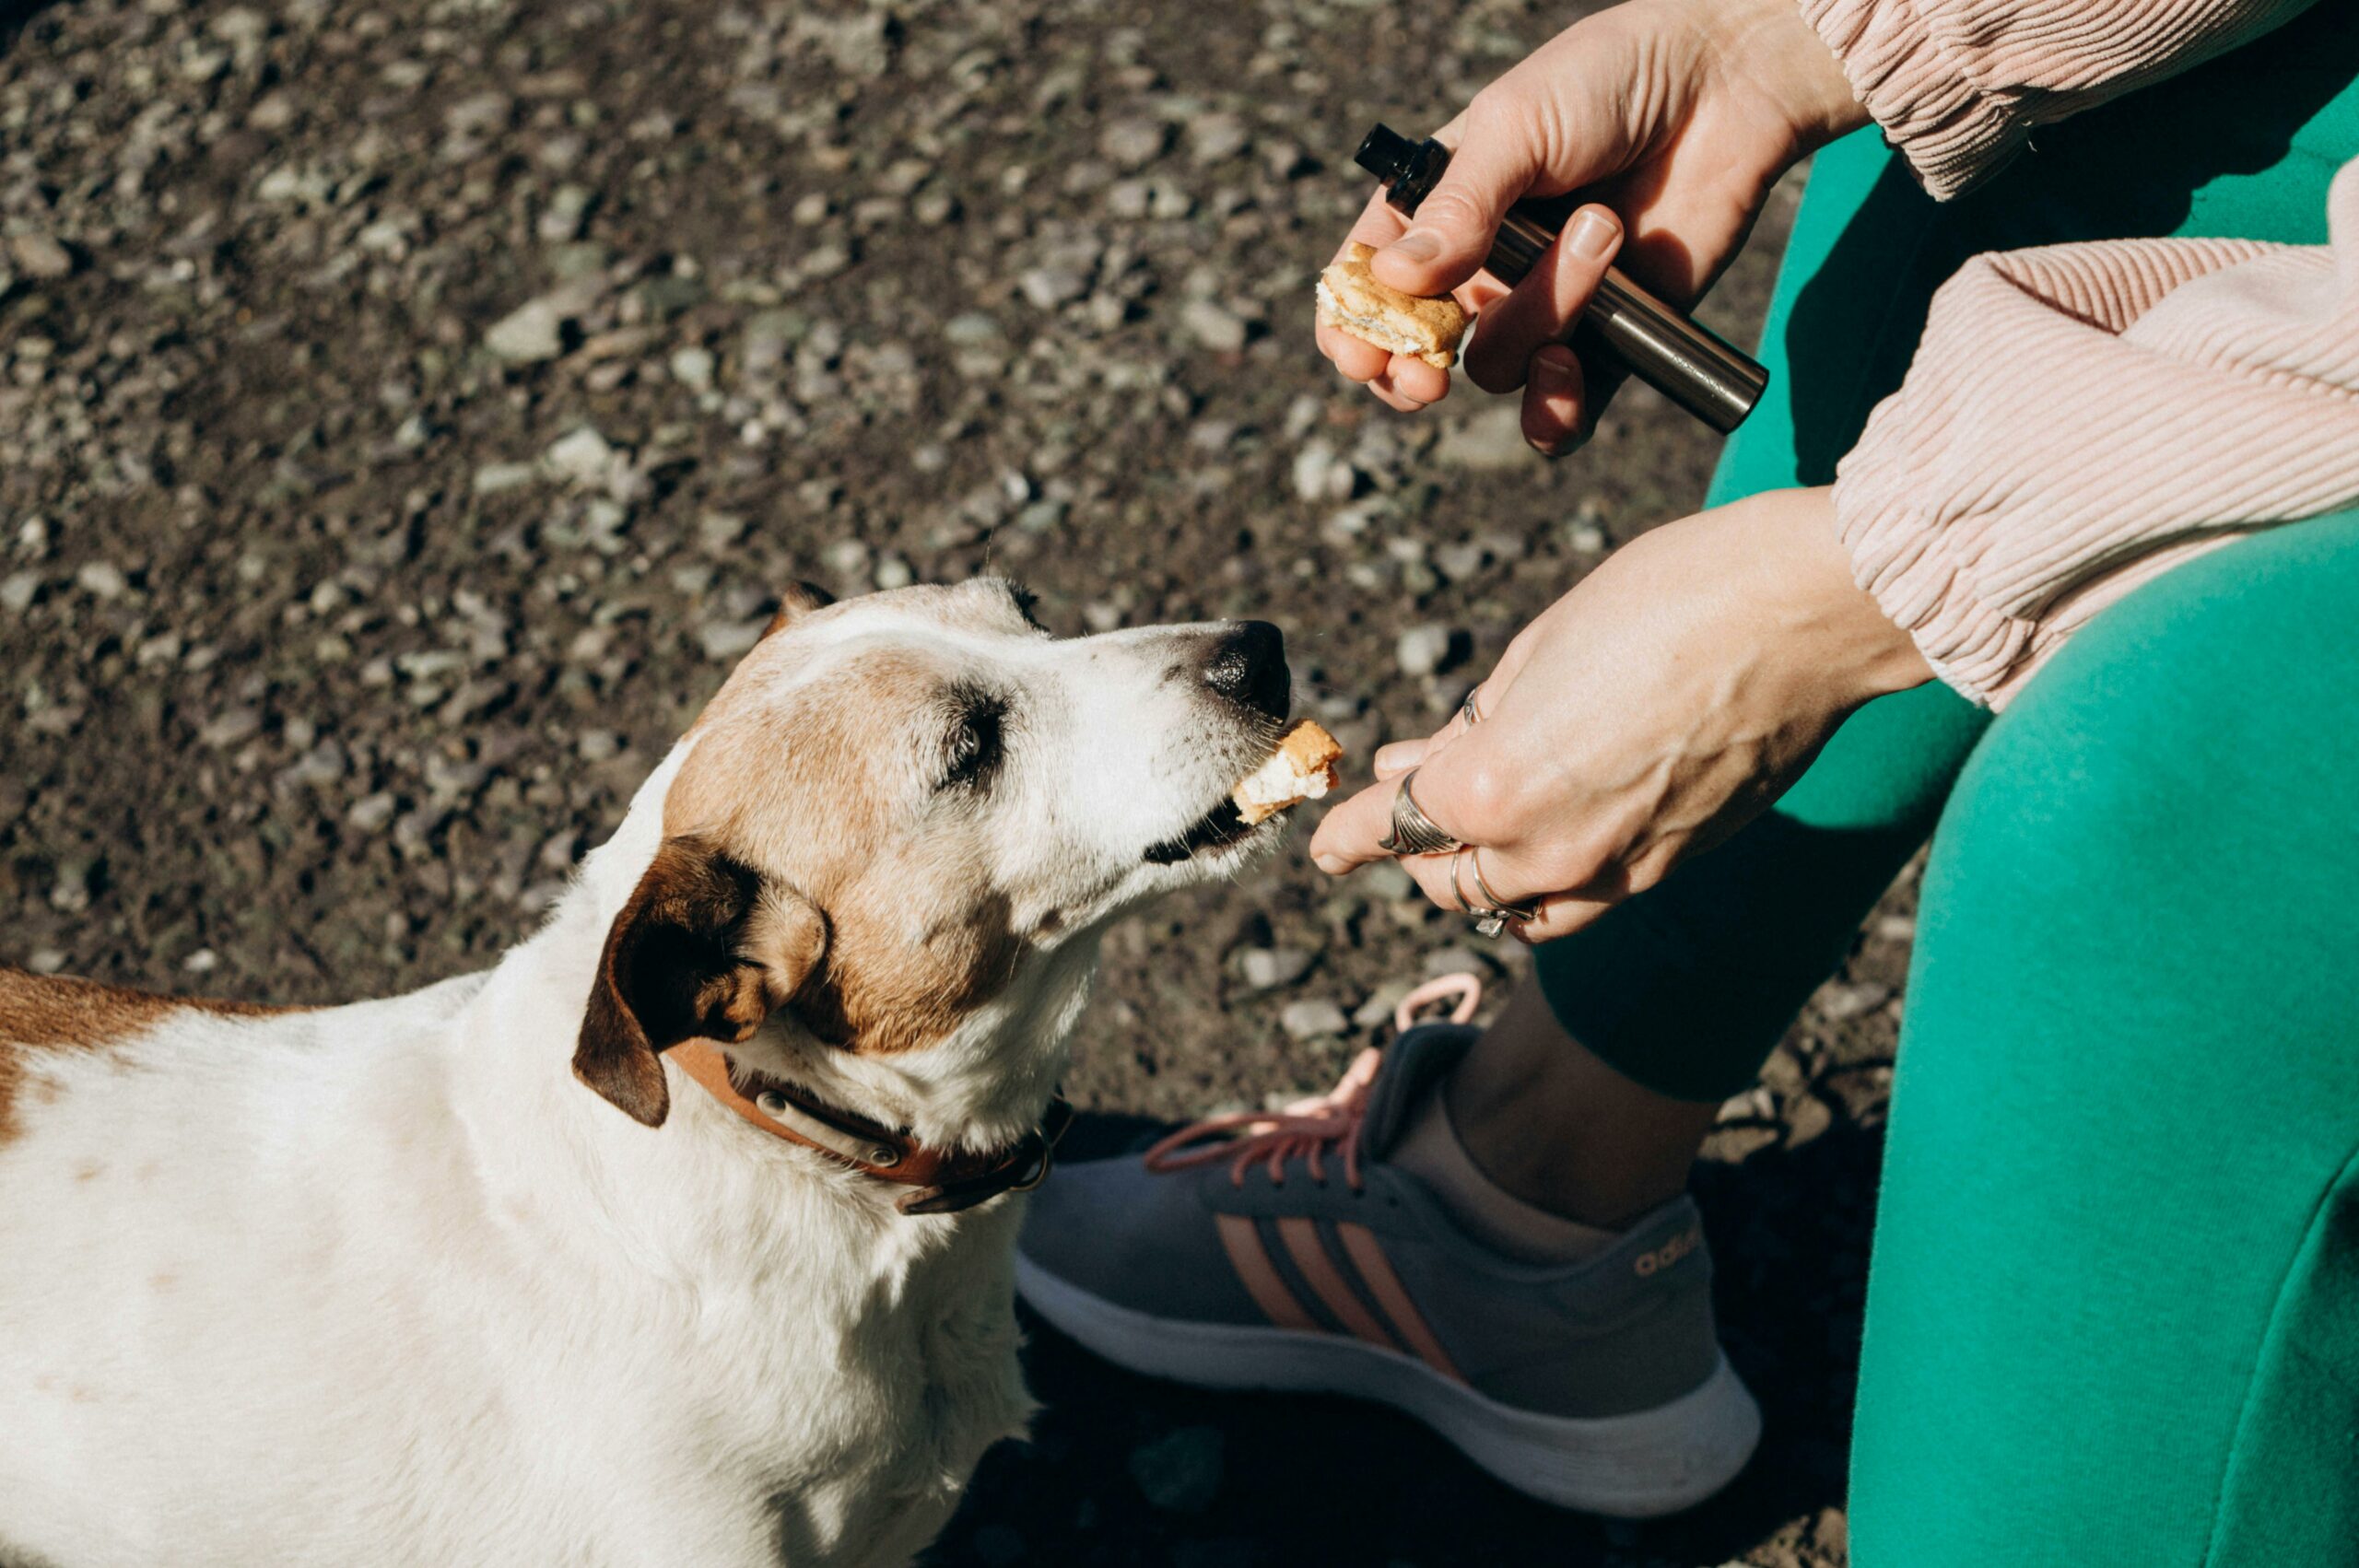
[2080,418]
[1958,86]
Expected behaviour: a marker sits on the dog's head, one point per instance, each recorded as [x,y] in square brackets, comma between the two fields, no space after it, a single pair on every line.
[903,819]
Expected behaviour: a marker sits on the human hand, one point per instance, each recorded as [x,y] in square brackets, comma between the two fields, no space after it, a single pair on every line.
[1676,116]
[1650,712]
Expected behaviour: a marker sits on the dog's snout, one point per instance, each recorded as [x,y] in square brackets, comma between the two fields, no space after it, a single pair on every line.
[1247,664]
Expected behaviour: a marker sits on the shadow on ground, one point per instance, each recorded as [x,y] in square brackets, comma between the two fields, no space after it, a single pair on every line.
[1329,1481]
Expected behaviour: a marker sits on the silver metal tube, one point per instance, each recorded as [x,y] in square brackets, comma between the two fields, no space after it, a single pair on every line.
[1686,363]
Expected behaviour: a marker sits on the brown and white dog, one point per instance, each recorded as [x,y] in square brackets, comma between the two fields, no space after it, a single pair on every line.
[386,1283]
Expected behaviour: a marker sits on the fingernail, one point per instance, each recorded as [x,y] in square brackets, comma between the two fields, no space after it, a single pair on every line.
[1331,864]
[1399,754]
[1593,234]
[1416,247]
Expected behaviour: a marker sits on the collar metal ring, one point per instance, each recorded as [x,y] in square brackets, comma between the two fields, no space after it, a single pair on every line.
[1414,832]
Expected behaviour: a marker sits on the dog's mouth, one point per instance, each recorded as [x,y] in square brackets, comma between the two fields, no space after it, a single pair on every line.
[1217,829]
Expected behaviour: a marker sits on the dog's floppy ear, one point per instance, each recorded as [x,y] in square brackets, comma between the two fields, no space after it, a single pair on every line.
[703,949]
[799,600]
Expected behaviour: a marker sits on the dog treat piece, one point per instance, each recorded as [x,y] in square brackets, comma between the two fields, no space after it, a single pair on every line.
[1351,300]
[1302,769]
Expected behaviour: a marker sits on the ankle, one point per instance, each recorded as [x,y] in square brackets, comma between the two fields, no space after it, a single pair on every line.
[1550,1124]
[1483,1211]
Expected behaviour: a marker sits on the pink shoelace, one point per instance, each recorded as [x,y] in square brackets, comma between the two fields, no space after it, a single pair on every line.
[1307,1129]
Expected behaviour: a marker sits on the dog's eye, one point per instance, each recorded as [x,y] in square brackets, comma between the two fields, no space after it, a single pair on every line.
[971,751]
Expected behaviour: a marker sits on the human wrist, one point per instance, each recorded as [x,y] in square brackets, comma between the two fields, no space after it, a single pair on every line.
[1812,591]
[1769,50]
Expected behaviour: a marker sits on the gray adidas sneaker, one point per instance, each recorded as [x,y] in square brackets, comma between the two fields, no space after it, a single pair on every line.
[1292,1256]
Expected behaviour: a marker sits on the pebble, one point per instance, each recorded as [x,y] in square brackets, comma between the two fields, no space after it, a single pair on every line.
[1312,1020]
[581,454]
[723,641]
[693,367]
[493,478]
[1216,328]
[18,591]
[1423,650]
[372,813]
[1267,968]
[1321,476]
[1134,144]
[562,219]
[228,727]
[893,572]
[1180,1472]
[1487,442]
[39,255]
[1048,288]
[102,579]
[530,333]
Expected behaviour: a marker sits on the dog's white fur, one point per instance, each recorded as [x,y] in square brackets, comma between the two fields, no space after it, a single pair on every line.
[384,1284]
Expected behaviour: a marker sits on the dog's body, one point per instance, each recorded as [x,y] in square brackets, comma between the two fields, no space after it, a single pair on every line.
[385,1284]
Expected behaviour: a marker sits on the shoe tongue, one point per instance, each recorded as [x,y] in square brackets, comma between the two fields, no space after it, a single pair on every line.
[1413,1065]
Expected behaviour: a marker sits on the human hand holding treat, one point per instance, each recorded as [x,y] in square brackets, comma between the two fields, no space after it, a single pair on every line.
[1653,710]
[1678,116]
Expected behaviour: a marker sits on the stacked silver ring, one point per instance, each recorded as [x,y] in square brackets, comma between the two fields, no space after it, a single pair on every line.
[1414,832]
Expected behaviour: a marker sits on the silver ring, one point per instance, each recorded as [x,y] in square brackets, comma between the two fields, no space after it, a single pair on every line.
[1467,710]
[1456,890]
[1414,832]
[1492,915]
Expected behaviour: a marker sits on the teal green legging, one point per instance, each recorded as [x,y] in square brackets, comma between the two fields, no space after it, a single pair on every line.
[2113,1311]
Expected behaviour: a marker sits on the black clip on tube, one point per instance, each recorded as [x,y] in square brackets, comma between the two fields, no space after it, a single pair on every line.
[1662,348]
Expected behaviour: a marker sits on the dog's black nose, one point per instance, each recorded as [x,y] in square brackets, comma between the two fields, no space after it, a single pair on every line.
[1247,664]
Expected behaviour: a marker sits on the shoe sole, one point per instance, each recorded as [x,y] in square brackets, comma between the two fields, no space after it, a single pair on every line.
[1638,1466]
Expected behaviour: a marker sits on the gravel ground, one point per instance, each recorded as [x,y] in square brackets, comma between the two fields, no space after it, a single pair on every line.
[409,411]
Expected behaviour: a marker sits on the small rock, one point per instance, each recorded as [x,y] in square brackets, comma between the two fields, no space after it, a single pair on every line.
[1267,968]
[1457,960]
[1377,1009]
[725,640]
[1181,1473]
[1839,1001]
[894,572]
[561,221]
[1424,650]
[1387,879]
[692,368]
[227,729]
[102,579]
[581,454]
[494,477]
[1216,328]
[204,961]
[38,256]
[45,960]
[1212,138]
[1490,441]
[1048,288]
[1310,1020]
[371,813]
[18,591]
[529,335]
[1134,144]
[1321,476]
